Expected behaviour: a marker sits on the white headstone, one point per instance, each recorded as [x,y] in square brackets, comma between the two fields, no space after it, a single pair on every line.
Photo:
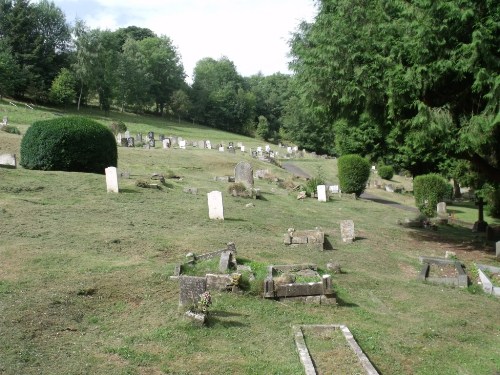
[166,143]
[334,189]
[119,138]
[8,160]
[215,206]
[208,144]
[268,148]
[441,208]
[242,148]
[221,148]
[111,180]
[182,144]
[259,149]
[322,193]
[289,149]
[295,149]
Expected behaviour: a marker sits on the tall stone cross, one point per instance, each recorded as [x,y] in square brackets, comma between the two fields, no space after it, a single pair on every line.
[480,225]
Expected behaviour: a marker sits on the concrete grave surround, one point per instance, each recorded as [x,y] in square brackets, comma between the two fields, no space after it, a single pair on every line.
[488,286]
[111,180]
[215,206]
[191,287]
[460,280]
[8,161]
[243,173]
[347,231]
[305,357]
[322,196]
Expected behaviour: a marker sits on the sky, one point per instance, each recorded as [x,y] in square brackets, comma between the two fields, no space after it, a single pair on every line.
[253,34]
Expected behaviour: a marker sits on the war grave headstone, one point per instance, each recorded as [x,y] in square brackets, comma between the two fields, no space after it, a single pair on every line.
[454,273]
[111,180]
[208,145]
[242,148]
[243,173]
[322,194]
[215,205]
[182,144]
[347,231]
[8,161]
[130,142]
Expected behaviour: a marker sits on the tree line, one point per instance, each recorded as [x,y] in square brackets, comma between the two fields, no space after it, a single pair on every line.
[409,84]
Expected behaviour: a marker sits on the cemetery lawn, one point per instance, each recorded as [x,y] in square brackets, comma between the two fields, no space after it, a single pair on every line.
[84,274]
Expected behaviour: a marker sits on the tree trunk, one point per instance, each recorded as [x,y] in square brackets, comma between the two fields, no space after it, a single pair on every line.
[80,97]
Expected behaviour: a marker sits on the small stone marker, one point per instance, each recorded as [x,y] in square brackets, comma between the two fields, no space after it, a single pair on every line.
[215,206]
[111,180]
[8,161]
[182,144]
[441,208]
[347,231]
[322,193]
[243,173]
[191,287]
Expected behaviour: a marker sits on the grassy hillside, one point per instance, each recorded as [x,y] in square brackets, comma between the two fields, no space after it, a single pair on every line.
[84,275]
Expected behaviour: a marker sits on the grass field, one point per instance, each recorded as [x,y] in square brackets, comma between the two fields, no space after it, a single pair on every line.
[84,275]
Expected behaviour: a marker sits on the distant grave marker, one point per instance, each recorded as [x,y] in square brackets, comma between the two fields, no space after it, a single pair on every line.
[322,196]
[215,205]
[243,173]
[111,180]
[347,231]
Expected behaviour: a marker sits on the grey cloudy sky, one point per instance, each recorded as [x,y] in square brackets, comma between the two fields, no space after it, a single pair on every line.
[253,34]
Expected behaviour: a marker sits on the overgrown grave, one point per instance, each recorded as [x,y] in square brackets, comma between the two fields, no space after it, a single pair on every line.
[314,238]
[330,349]
[300,282]
[443,271]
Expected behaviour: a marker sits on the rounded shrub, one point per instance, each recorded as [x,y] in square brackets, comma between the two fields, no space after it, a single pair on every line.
[353,172]
[74,144]
[429,190]
[386,172]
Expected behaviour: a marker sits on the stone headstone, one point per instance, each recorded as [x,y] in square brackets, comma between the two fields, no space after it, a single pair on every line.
[208,144]
[124,142]
[166,143]
[347,231]
[221,148]
[182,144]
[151,143]
[175,141]
[295,148]
[5,120]
[239,144]
[441,208]
[497,250]
[151,135]
[322,197]
[243,173]
[201,144]
[254,154]
[259,150]
[191,288]
[130,142]
[111,180]
[268,148]
[271,154]
[389,188]
[225,261]
[242,148]
[138,137]
[215,206]
[8,161]
[334,189]
[127,134]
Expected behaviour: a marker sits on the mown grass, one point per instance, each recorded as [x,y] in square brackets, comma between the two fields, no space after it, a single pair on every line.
[85,288]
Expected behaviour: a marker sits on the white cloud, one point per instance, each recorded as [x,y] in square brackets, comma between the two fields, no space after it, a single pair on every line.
[251,33]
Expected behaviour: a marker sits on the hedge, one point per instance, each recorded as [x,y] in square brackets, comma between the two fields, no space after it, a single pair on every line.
[73,143]
[353,172]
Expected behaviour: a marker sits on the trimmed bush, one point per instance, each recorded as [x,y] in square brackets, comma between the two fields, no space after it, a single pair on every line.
[118,127]
[386,172]
[353,172]
[429,190]
[75,144]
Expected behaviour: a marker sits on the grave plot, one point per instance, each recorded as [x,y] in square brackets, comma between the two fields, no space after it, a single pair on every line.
[315,237]
[443,271]
[330,349]
[490,279]
[299,282]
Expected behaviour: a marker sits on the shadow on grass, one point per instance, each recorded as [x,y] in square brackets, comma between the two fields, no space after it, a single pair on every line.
[233,219]
[129,191]
[327,245]
[225,314]
[344,303]
[375,199]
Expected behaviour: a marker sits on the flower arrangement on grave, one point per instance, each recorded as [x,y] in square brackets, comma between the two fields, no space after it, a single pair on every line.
[204,302]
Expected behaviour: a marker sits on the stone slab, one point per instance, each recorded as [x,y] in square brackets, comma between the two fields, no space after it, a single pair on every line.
[191,287]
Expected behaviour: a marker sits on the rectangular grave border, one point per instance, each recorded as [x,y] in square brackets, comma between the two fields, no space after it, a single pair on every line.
[312,237]
[319,292]
[305,357]
[461,280]
[488,287]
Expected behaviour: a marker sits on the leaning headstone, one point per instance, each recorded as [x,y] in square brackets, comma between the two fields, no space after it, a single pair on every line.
[322,193]
[8,161]
[441,208]
[215,206]
[111,180]
[182,144]
[225,261]
[347,230]
[130,142]
[243,173]
[191,288]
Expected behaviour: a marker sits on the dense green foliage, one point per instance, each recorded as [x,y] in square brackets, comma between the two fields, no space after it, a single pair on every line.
[74,144]
[354,172]
[386,172]
[429,190]
[414,82]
